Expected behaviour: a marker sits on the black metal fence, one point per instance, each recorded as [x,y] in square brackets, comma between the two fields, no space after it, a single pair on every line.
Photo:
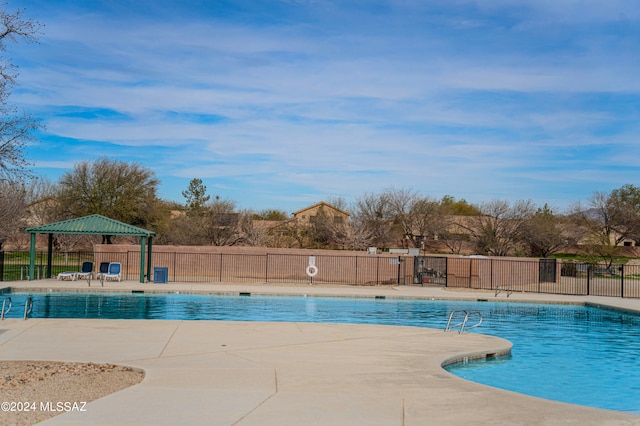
[539,276]
[220,267]
[14,265]
[483,273]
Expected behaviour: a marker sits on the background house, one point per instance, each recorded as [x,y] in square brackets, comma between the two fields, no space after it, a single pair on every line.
[309,214]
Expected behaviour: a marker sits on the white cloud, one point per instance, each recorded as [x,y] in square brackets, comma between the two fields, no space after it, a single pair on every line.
[451,97]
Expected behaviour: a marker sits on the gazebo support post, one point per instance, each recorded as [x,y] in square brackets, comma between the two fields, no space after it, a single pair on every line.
[149,244]
[49,255]
[32,256]
[143,242]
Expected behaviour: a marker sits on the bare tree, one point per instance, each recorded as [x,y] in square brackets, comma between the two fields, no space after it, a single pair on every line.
[12,210]
[625,203]
[427,222]
[608,220]
[420,218]
[40,199]
[41,208]
[354,237]
[401,203]
[252,234]
[16,128]
[326,230]
[221,223]
[291,233]
[453,235]
[373,218]
[453,227]
[546,233]
[497,231]
[266,228]
[337,202]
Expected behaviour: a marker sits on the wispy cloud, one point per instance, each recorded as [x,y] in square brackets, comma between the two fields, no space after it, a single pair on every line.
[279,103]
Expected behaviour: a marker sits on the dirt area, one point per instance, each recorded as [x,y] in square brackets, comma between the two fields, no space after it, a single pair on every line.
[32,391]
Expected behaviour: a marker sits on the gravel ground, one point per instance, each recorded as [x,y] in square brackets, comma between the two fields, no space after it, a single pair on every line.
[32,391]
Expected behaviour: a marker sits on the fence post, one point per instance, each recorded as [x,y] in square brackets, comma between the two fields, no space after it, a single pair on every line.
[491,274]
[266,268]
[49,255]
[1,265]
[588,279]
[622,281]
[175,264]
[446,272]
[356,281]
[220,268]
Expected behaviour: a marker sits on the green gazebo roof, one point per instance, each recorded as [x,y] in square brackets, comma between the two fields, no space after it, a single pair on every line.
[89,225]
[94,224]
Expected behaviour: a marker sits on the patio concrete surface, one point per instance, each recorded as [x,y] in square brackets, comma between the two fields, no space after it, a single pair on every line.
[252,373]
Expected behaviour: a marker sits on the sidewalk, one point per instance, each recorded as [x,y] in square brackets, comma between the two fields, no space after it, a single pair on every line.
[251,373]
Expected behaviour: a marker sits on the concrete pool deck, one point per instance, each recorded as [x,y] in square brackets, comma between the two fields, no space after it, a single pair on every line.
[246,373]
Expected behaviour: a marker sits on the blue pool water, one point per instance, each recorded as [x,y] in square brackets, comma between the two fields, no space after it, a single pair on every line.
[574,354]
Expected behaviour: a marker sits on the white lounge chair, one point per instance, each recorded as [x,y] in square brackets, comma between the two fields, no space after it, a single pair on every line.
[114,273]
[86,272]
[102,270]
[68,275]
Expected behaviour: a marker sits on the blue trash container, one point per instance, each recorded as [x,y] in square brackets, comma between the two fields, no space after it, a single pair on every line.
[160,275]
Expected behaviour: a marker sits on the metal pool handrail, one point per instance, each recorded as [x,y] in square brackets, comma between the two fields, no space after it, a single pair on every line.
[28,307]
[463,323]
[4,303]
[463,330]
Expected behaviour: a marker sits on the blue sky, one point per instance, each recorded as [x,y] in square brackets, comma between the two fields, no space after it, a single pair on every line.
[282,103]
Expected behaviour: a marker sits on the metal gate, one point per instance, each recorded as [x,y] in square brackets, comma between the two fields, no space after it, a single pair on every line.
[430,270]
[547,271]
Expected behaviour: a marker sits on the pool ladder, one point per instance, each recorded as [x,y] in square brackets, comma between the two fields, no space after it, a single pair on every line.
[506,288]
[28,307]
[462,325]
[7,304]
[5,307]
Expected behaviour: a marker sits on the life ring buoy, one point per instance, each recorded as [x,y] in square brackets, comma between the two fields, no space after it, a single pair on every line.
[312,270]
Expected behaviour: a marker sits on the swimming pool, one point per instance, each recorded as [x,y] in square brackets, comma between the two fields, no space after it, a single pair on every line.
[574,354]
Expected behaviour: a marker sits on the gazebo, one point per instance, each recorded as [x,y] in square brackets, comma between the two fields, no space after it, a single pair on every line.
[90,225]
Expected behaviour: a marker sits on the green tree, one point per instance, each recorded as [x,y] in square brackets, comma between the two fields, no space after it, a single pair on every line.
[459,207]
[115,189]
[270,214]
[16,128]
[196,195]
